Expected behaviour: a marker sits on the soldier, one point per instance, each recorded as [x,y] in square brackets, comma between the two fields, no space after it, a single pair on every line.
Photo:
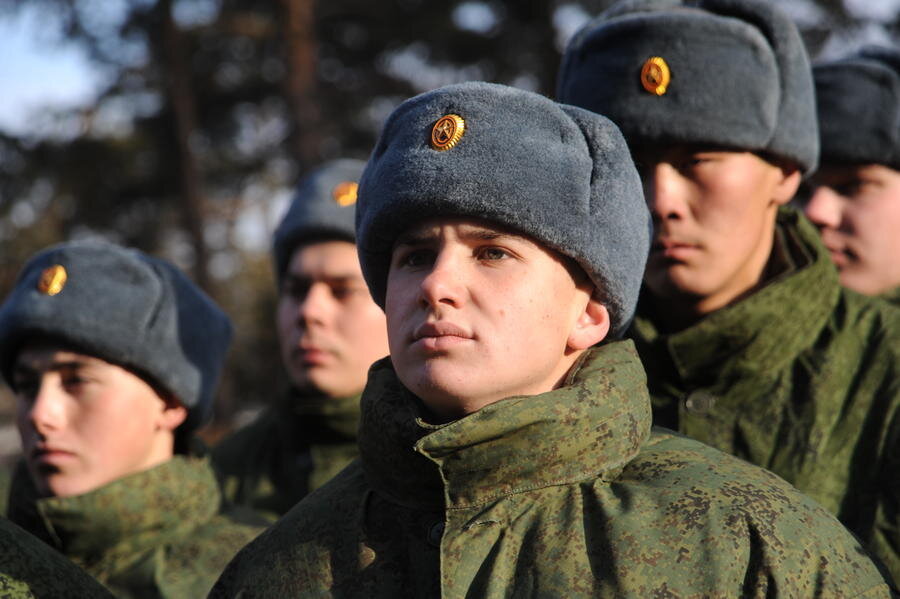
[502,452]
[112,356]
[856,190]
[330,332]
[750,343]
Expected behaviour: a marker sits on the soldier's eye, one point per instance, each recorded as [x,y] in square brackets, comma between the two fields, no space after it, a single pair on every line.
[73,381]
[846,189]
[416,257]
[344,292]
[26,387]
[295,289]
[492,253]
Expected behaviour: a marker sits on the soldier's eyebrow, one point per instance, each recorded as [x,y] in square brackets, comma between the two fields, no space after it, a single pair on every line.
[421,237]
[336,279]
[26,370]
[480,234]
[416,237]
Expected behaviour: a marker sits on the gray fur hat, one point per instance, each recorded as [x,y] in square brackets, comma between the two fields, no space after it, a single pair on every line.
[858,99]
[559,174]
[124,307]
[323,207]
[731,73]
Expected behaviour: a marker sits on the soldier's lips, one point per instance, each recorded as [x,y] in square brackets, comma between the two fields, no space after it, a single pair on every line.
[51,455]
[839,258]
[309,354]
[440,336]
[840,254]
[314,357]
[675,250]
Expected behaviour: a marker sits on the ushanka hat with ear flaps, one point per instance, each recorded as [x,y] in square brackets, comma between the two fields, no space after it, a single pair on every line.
[124,307]
[729,73]
[323,207]
[559,174]
[859,107]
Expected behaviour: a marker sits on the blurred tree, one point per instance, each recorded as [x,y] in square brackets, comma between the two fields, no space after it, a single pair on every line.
[212,108]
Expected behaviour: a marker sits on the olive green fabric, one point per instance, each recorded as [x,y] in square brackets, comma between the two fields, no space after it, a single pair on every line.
[293,448]
[563,494]
[892,296]
[802,378]
[157,533]
[29,568]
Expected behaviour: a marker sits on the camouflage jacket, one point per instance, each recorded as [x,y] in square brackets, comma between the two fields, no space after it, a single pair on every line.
[802,378]
[29,568]
[563,494]
[157,533]
[293,448]
[892,296]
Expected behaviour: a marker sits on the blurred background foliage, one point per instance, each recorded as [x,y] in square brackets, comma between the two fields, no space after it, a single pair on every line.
[210,110]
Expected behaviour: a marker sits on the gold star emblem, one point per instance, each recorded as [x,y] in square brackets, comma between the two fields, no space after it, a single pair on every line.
[447,132]
[655,75]
[52,280]
[344,194]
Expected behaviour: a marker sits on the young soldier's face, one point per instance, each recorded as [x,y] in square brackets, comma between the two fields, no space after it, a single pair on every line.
[85,422]
[476,314]
[329,328]
[714,215]
[857,210]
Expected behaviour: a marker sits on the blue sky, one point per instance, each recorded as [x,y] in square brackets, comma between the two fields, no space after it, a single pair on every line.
[37,72]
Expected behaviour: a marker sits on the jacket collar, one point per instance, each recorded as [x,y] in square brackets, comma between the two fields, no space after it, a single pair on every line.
[305,418]
[592,426]
[765,330]
[127,516]
[892,296]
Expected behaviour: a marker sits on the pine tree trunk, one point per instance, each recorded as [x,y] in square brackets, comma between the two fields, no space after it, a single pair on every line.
[300,81]
[176,67]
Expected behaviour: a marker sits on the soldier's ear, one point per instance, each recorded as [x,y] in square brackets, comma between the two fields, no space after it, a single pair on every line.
[787,186]
[591,327]
[172,415]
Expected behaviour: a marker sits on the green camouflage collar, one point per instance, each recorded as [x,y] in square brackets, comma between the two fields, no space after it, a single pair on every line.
[590,427]
[763,331]
[122,519]
[892,296]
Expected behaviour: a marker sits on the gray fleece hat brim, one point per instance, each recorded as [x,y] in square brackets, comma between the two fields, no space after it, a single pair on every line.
[558,174]
[739,76]
[859,107]
[124,307]
[319,210]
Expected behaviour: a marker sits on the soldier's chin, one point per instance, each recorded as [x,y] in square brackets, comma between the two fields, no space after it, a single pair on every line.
[446,395]
[679,281]
[60,484]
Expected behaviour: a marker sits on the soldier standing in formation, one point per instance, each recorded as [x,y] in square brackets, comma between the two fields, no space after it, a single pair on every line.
[503,453]
[750,343]
[330,332]
[112,356]
[855,198]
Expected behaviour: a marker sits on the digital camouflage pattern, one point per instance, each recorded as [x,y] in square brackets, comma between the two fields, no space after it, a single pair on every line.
[31,569]
[802,378]
[293,448]
[157,533]
[564,494]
